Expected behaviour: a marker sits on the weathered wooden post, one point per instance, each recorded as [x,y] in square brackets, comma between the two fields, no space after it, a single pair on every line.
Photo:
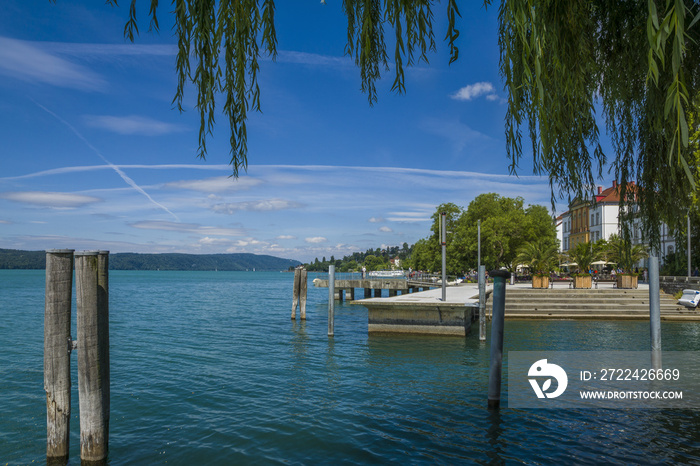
[655,312]
[302,293]
[295,292]
[103,325]
[482,303]
[93,365]
[498,299]
[331,299]
[57,345]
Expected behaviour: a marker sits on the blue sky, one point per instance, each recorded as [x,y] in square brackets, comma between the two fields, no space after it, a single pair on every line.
[95,157]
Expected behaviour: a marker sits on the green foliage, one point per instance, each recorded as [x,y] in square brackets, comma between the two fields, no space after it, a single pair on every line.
[640,59]
[540,255]
[505,227]
[583,254]
[223,39]
[624,253]
[372,259]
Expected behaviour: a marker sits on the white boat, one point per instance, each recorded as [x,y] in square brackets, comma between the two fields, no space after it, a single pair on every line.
[386,274]
[690,298]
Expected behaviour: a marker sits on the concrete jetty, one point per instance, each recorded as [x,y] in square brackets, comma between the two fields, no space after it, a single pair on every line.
[425,312]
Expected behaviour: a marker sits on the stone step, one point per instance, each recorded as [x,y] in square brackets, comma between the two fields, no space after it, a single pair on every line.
[595,311]
[586,307]
[583,303]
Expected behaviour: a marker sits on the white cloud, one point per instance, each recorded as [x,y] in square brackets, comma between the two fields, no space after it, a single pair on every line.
[109,51]
[313,59]
[80,169]
[187,228]
[376,220]
[316,240]
[385,229]
[286,237]
[132,124]
[213,241]
[475,90]
[409,217]
[5,222]
[216,184]
[264,205]
[24,60]
[49,199]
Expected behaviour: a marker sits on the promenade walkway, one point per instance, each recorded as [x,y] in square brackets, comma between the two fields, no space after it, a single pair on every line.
[561,302]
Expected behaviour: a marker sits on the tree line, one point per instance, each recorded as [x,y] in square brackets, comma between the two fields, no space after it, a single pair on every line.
[506,226]
[372,259]
[17,259]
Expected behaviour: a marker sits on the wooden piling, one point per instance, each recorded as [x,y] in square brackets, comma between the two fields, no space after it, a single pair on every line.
[331,300]
[295,292]
[57,344]
[93,370]
[302,293]
[103,325]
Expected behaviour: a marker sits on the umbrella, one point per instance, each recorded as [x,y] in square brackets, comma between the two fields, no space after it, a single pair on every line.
[601,263]
[568,264]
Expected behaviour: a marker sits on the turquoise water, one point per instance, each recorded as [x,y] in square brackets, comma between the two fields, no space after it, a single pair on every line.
[207,368]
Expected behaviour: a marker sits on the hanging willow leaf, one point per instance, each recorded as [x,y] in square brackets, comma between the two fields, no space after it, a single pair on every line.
[638,60]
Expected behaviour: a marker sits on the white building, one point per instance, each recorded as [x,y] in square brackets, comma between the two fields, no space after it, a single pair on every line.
[602,219]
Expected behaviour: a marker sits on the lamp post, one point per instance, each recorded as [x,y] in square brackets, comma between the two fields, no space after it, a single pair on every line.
[443,244]
[688,242]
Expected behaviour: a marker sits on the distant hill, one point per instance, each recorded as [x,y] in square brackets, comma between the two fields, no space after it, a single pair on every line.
[16,259]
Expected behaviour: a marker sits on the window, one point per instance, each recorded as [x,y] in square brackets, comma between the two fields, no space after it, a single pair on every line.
[592,220]
[597,218]
[670,249]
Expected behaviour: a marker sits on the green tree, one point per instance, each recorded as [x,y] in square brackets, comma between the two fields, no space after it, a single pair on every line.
[505,227]
[373,262]
[639,59]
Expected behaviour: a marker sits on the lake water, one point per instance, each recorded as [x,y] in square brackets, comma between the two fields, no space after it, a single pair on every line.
[208,368]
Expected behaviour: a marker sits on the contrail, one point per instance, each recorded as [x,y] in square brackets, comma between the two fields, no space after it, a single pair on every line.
[123,175]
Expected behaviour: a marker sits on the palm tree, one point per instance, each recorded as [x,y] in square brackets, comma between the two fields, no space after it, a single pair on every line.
[626,254]
[540,256]
[584,255]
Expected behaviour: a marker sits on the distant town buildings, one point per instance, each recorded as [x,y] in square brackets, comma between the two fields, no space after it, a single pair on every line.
[597,218]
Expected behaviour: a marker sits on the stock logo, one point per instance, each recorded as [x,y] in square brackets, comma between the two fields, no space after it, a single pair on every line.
[542,368]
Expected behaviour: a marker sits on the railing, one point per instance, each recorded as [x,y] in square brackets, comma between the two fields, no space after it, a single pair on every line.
[414,278]
[431,279]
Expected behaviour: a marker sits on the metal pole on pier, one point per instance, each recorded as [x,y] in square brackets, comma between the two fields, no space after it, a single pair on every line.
[93,361]
[478,242]
[688,243]
[57,344]
[655,312]
[498,300]
[331,299]
[482,303]
[443,244]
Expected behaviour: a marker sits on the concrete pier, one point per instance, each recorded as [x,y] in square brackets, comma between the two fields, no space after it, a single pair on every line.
[424,313]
